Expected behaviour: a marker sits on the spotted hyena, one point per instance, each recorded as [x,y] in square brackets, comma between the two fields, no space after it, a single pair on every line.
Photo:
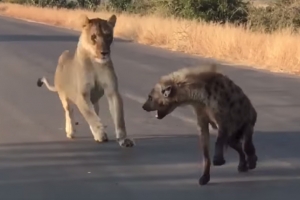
[216,100]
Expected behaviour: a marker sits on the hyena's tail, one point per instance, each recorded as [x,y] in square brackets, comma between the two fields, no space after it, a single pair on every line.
[43,80]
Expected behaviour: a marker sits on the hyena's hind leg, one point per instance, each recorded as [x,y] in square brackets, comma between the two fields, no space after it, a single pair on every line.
[236,144]
[220,143]
[69,118]
[249,147]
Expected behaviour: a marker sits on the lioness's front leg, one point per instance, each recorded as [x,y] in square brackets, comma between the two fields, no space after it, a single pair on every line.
[96,108]
[87,110]
[117,112]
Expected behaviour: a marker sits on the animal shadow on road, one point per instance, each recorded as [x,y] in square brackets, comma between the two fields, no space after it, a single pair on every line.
[45,38]
[163,166]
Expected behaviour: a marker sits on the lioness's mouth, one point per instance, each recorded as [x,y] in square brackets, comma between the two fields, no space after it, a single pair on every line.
[102,60]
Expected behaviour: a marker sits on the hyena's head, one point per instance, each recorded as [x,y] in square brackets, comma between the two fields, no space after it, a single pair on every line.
[162,99]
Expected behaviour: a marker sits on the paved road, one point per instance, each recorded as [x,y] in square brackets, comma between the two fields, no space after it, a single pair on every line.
[38,162]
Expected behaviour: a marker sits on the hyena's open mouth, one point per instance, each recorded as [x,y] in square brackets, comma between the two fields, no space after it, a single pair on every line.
[160,114]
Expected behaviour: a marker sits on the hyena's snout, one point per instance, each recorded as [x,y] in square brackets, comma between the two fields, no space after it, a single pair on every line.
[146,107]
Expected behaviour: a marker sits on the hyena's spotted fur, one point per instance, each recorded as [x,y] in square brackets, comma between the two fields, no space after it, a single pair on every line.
[217,100]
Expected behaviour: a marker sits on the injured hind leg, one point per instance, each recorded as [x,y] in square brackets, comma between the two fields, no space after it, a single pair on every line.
[237,146]
[249,148]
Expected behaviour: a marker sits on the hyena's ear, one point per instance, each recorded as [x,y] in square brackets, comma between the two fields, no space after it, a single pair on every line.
[167,91]
[112,21]
[84,20]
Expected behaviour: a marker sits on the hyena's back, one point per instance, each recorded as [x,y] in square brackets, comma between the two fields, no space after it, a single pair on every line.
[232,108]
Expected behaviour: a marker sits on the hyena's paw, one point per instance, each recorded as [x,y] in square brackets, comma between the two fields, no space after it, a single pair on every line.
[252,162]
[218,161]
[126,142]
[101,138]
[204,179]
[243,167]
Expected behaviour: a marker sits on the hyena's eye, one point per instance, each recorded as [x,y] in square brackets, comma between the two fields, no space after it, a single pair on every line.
[150,98]
[93,37]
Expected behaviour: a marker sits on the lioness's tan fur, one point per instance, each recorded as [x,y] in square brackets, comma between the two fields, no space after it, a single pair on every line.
[85,76]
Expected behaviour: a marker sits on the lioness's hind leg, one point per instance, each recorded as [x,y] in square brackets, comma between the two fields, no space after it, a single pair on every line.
[69,128]
[88,111]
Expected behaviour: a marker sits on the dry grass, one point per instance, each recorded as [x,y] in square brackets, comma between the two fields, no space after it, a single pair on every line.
[278,52]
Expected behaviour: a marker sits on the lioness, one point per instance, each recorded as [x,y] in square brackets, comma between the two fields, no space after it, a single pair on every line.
[85,76]
[216,99]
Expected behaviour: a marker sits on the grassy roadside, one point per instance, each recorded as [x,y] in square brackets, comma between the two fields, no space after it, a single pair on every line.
[277,52]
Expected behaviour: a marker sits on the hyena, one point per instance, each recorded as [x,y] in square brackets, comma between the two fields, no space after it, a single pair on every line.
[216,100]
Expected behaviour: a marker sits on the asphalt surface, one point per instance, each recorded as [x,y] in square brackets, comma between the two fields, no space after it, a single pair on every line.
[38,162]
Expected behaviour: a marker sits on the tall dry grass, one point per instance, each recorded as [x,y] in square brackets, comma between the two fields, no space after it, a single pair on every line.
[277,52]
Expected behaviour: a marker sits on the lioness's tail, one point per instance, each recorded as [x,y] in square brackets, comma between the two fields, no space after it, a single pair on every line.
[44,80]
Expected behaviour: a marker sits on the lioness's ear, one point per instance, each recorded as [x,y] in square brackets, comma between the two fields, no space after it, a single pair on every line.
[112,21]
[84,20]
[167,91]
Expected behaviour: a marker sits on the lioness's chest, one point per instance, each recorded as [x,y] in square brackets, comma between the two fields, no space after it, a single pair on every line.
[96,92]
[99,75]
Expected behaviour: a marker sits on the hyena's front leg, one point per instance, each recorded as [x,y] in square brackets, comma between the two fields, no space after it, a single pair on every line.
[88,111]
[203,128]
[117,112]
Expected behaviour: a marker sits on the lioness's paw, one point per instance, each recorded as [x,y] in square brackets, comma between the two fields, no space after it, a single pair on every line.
[126,142]
[70,136]
[101,138]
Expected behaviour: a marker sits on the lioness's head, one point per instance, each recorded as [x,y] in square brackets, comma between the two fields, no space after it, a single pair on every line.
[162,99]
[97,36]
